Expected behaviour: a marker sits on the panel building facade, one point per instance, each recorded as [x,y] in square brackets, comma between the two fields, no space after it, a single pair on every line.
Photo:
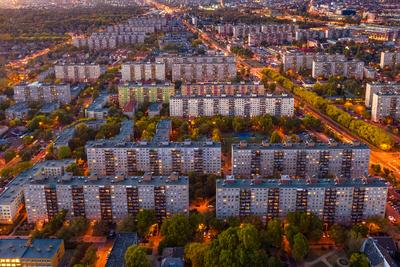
[209,68]
[78,72]
[222,88]
[127,158]
[143,71]
[300,160]
[346,68]
[389,59]
[237,105]
[375,87]
[296,60]
[385,104]
[43,93]
[140,93]
[108,199]
[333,201]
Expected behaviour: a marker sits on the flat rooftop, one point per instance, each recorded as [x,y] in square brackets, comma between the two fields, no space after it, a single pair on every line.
[16,248]
[133,145]
[110,180]
[15,186]
[239,96]
[299,183]
[294,146]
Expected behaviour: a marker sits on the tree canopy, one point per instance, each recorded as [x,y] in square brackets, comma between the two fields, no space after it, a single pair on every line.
[136,257]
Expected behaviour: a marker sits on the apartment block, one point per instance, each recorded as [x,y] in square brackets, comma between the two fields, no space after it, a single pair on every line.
[78,72]
[143,71]
[385,104]
[375,87]
[389,59]
[110,158]
[97,109]
[12,197]
[31,252]
[19,110]
[222,88]
[108,199]
[347,68]
[272,28]
[243,30]
[208,68]
[140,93]
[272,38]
[296,60]
[224,29]
[334,33]
[43,93]
[124,28]
[306,34]
[345,201]
[156,21]
[107,40]
[300,160]
[237,105]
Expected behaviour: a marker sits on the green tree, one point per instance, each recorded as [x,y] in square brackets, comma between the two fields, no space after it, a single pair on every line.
[274,262]
[101,228]
[176,230]
[275,138]
[300,247]
[238,124]
[90,257]
[354,241]
[136,257]
[359,260]
[127,224]
[237,246]
[216,135]
[302,222]
[74,168]
[27,140]
[274,232]
[9,155]
[145,219]
[64,152]
[338,233]
[195,253]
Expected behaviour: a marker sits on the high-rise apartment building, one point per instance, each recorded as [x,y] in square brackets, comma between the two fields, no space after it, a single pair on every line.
[296,60]
[43,93]
[385,104]
[375,87]
[140,93]
[78,72]
[272,38]
[343,201]
[143,71]
[237,105]
[110,158]
[222,88]
[12,197]
[346,68]
[209,68]
[300,160]
[390,59]
[107,199]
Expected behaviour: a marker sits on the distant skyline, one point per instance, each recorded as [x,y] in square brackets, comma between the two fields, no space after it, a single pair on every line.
[19,3]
